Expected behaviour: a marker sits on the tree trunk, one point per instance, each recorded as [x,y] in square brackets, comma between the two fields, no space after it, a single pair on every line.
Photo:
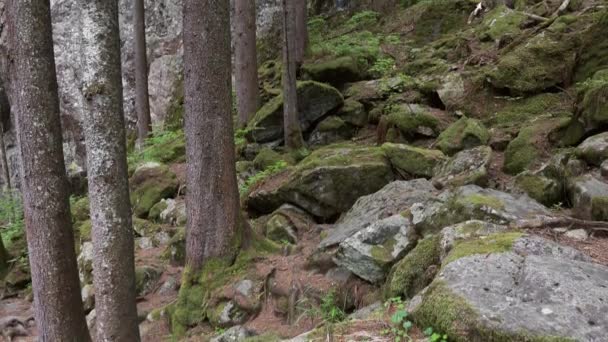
[58,308]
[142,101]
[293,132]
[246,75]
[3,258]
[6,176]
[301,35]
[212,197]
[104,126]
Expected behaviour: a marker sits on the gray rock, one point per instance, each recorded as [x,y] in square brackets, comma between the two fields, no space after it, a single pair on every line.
[589,197]
[371,252]
[594,149]
[472,202]
[466,230]
[235,334]
[518,297]
[146,278]
[536,245]
[228,314]
[390,200]
[545,190]
[85,263]
[577,234]
[164,80]
[88,297]
[339,275]
[330,130]
[466,167]
[451,92]
[604,169]
[144,243]
[174,213]
[169,286]
[367,312]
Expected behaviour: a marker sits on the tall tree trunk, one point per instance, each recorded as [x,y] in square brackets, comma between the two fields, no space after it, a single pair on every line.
[293,132]
[246,61]
[3,258]
[113,262]
[301,35]
[58,308]
[142,100]
[212,197]
[6,176]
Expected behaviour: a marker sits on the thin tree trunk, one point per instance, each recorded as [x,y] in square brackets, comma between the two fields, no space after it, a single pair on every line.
[293,132]
[6,176]
[33,86]
[246,75]
[301,35]
[142,100]
[212,197]
[3,258]
[104,126]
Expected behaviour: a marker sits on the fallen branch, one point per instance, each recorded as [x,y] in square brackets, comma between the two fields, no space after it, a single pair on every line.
[560,222]
[534,16]
[561,8]
[475,12]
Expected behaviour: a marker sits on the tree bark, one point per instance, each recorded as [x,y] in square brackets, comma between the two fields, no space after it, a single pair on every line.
[104,126]
[6,176]
[301,35]
[33,86]
[142,100]
[292,130]
[212,197]
[246,75]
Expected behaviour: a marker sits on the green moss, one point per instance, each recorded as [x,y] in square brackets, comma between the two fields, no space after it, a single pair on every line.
[144,227]
[335,71]
[175,112]
[415,161]
[80,209]
[521,151]
[463,134]
[410,275]
[149,186]
[410,119]
[432,19]
[501,22]
[265,158]
[162,147]
[84,230]
[331,124]
[520,110]
[382,254]
[495,243]
[156,210]
[599,208]
[544,190]
[594,103]
[483,200]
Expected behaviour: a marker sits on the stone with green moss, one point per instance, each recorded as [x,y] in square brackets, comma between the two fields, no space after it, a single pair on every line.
[279,228]
[589,197]
[265,158]
[331,130]
[416,270]
[495,243]
[156,210]
[521,151]
[315,100]
[145,228]
[501,23]
[516,110]
[413,161]
[544,61]
[594,150]
[411,121]
[463,134]
[465,167]
[594,104]
[149,184]
[545,190]
[145,279]
[336,71]
[353,112]
[327,182]
[84,230]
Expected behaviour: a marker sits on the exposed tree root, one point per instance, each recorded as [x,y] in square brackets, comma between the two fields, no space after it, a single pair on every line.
[561,222]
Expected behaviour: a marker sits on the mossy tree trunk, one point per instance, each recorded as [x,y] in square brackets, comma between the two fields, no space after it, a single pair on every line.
[104,126]
[32,87]
[246,71]
[142,100]
[292,129]
[212,197]
[301,35]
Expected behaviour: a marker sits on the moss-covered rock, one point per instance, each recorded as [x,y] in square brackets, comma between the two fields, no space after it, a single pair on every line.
[335,71]
[315,100]
[416,270]
[594,100]
[145,228]
[589,197]
[518,110]
[495,243]
[265,158]
[463,134]
[279,228]
[326,183]
[145,279]
[410,121]
[413,161]
[522,151]
[465,167]
[156,210]
[545,190]
[594,150]
[353,112]
[501,23]
[331,130]
[544,61]
[149,184]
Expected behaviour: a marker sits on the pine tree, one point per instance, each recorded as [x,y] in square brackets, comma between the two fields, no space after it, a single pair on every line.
[104,126]
[246,71]
[142,99]
[301,34]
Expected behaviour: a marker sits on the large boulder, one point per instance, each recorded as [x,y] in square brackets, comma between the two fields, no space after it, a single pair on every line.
[466,167]
[315,100]
[326,183]
[331,130]
[463,134]
[594,103]
[512,297]
[407,122]
[390,200]
[522,151]
[335,71]
[594,150]
[589,197]
[371,252]
[545,190]
[412,161]
[473,202]
[150,183]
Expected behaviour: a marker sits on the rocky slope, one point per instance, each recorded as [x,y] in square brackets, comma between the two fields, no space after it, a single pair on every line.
[456,178]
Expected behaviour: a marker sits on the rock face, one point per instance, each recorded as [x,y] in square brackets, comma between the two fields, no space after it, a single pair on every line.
[390,200]
[413,161]
[594,150]
[315,100]
[326,183]
[466,167]
[589,197]
[371,252]
[516,297]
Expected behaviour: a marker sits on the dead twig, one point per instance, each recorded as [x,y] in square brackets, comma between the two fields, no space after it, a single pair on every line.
[560,222]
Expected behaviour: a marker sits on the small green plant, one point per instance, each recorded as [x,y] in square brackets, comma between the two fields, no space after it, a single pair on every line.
[401,325]
[11,217]
[330,311]
[383,67]
[258,177]
[435,336]
[239,136]
[363,19]
[219,331]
